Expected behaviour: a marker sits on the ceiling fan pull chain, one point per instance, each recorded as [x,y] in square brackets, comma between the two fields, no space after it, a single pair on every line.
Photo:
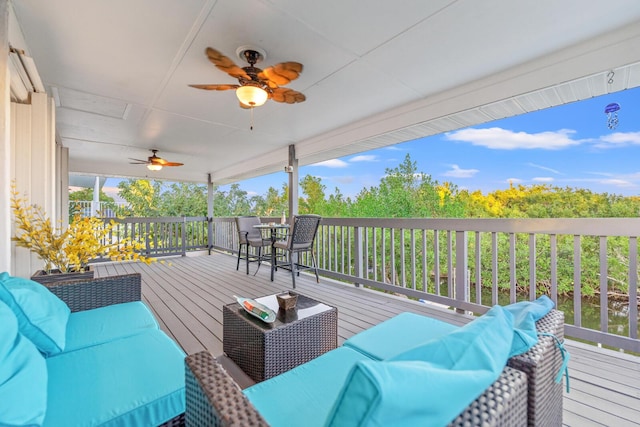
[251,127]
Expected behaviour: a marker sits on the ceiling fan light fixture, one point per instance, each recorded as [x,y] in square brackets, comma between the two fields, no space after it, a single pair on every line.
[252,96]
[153,167]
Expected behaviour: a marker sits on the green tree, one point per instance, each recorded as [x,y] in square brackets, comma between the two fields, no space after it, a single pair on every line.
[86,195]
[313,189]
[184,199]
[406,193]
[142,195]
[234,202]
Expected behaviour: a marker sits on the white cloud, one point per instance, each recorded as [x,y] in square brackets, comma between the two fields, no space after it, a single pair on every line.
[392,148]
[456,172]
[364,158]
[618,183]
[333,163]
[503,139]
[619,139]
[544,168]
[543,179]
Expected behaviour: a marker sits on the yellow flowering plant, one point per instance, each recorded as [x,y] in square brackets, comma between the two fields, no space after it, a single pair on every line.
[71,249]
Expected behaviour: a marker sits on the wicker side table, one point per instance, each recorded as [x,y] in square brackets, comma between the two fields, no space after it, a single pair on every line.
[297,336]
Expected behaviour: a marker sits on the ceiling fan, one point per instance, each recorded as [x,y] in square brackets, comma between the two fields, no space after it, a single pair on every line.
[256,86]
[154,162]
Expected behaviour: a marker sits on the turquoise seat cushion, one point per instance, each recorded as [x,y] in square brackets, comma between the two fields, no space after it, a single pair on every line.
[428,385]
[398,334]
[304,395]
[133,381]
[104,324]
[23,375]
[42,316]
[525,315]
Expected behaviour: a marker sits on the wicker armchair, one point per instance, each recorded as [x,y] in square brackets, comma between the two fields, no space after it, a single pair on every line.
[82,295]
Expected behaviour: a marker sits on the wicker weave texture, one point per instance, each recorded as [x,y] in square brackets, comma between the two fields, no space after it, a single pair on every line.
[304,231]
[541,364]
[213,398]
[82,295]
[504,403]
[263,352]
[174,422]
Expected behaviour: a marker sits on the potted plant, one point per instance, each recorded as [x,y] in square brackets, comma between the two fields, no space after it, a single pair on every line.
[69,251]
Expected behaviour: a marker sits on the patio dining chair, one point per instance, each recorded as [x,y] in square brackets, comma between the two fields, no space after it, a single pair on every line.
[250,237]
[299,242]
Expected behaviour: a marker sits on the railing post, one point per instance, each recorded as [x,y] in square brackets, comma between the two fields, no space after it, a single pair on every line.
[358,253]
[209,234]
[461,292]
[184,235]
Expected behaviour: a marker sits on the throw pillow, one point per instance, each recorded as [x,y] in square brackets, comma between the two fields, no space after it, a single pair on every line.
[429,384]
[525,315]
[23,375]
[42,316]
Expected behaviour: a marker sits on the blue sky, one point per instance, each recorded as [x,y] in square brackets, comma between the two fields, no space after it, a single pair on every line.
[569,145]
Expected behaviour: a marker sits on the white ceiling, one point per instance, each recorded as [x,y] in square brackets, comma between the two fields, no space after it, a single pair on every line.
[375,73]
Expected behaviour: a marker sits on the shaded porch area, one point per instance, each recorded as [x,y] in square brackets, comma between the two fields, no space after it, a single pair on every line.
[187,294]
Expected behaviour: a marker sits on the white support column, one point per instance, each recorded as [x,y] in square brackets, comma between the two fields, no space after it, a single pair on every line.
[209,213]
[62,184]
[5,142]
[293,183]
[95,203]
[33,167]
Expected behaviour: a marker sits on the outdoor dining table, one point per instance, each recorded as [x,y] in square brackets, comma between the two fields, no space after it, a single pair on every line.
[273,227]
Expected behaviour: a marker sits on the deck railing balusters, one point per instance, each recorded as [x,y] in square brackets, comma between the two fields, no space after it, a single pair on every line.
[364,251]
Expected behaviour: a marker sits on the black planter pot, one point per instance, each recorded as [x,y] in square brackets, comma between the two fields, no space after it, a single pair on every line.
[44,278]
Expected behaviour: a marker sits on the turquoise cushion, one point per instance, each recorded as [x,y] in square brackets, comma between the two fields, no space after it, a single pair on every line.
[134,381]
[429,384]
[304,395]
[525,315]
[398,334]
[42,316]
[23,375]
[104,324]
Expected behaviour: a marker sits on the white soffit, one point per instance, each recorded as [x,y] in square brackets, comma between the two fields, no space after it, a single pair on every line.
[90,103]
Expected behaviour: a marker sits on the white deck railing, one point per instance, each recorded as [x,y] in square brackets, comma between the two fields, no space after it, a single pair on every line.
[472,264]
[466,264]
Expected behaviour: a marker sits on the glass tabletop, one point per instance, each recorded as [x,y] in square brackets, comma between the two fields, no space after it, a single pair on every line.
[271,225]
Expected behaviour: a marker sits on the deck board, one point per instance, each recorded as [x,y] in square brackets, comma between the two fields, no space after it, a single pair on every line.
[187,294]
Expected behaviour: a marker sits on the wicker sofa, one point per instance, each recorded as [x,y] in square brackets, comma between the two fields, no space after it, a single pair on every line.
[525,393]
[113,365]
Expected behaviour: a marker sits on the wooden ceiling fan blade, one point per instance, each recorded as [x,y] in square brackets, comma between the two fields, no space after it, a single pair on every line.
[281,74]
[216,87]
[288,96]
[138,161]
[223,63]
[173,164]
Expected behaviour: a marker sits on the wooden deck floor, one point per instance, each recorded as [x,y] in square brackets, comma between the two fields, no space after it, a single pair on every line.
[187,295]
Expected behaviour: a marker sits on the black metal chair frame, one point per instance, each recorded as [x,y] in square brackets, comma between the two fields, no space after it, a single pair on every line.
[250,237]
[303,234]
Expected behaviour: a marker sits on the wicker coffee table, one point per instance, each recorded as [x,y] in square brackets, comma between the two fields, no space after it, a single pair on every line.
[265,350]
